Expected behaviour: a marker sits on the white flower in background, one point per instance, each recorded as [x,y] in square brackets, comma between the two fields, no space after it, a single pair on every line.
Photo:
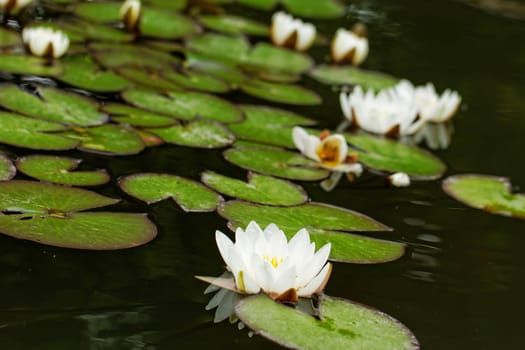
[264,261]
[348,46]
[130,12]
[331,151]
[383,113]
[11,6]
[292,33]
[45,42]
[399,180]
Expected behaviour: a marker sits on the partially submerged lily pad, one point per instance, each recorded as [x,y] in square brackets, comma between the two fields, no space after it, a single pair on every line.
[342,324]
[60,170]
[7,169]
[188,194]
[259,189]
[347,75]
[489,193]
[197,133]
[50,214]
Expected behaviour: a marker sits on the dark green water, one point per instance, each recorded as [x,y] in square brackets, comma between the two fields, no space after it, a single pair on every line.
[460,286]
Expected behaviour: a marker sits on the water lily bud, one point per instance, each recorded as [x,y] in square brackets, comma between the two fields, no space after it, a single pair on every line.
[45,42]
[12,6]
[399,180]
[350,46]
[292,33]
[130,12]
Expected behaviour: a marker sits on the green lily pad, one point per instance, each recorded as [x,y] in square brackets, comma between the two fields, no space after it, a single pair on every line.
[185,105]
[282,93]
[342,324]
[232,75]
[81,71]
[7,169]
[346,75]
[151,79]
[106,139]
[386,155]
[275,162]
[195,80]
[166,24]
[197,133]
[259,189]
[31,65]
[315,9]
[175,5]
[32,133]
[60,170]
[188,194]
[277,59]
[259,4]
[489,193]
[9,38]
[136,117]
[88,30]
[103,12]
[52,104]
[230,24]
[48,214]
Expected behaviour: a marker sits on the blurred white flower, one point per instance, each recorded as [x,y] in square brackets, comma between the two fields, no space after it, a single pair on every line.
[11,6]
[349,46]
[45,42]
[292,33]
[331,151]
[435,135]
[130,12]
[399,180]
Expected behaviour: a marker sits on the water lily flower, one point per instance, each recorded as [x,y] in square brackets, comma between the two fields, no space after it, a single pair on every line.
[399,180]
[331,151]
[349,46]
[12,6]
[45,42]
[264,261]
[130,12]
[292,33]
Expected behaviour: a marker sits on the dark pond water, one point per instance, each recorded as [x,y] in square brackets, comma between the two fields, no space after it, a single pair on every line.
[461,284]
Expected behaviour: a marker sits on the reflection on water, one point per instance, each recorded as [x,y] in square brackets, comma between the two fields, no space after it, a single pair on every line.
[506,8]
[435,136]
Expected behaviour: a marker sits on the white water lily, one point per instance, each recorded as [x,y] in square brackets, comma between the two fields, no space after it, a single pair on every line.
[399,180]
[292,33]
[130,12]
[11,6]
[45,42]
[264,261]
[331,151]
[349,46]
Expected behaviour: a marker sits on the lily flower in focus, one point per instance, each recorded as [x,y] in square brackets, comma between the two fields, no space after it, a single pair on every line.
[130,13]
[292,33]
[45,42]
[350,46]
[13,6]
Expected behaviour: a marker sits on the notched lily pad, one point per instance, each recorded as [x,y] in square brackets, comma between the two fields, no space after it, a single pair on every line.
[259,189]
[60,170]
[190,195]
[489,193]
[342,324]
[7,169]
[346,75]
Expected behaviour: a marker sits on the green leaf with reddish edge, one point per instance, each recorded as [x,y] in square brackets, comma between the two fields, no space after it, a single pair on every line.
[9,38]
[82,72]
[60,170]
[148,78]
[231,24]
[347,75]
[196,81]
[197,133]
[386,155]
[275,162]
[106,139]
[32,133]
[190,195]
[22,64]
[342,324]
[7,169]
[314,8]
[53,105]
[136,117]
[282,93]
[259,189]
[489,193]
[166,24]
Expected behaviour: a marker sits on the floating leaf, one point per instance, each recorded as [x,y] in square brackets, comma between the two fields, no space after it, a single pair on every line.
[21,64]
[386,155]
[230,24]
[7,169]
[198,133]
[175,5]
[52,104]
[346,75]
[315,8]
[275,162]
[165,24]
[196,81]
[283,93]
[489,193]
[259,4]
[136,117]
[90,30]
[342,324]
[277,59]
[48,214]
[60,170]
[9,38]
[259,189]
[148,78]
[189,195]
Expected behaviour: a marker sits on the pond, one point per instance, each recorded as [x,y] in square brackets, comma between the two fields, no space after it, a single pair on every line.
[459,285]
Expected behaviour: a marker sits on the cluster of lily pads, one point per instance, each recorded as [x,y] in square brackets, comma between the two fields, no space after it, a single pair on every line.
[136,75]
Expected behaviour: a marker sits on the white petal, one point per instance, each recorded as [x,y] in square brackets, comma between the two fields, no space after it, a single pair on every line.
[225,245]
[317,284]
[305,36]
[284,281]
[399,180]
[314,266]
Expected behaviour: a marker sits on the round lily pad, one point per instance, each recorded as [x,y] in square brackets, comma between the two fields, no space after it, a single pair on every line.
[7,169]
[190,195]
[197,133]
[52,104]
[22,64]
[341,324]
[283,93]
[346,75]
[489,193]
[259,189]
[386,155]
[136,117]
[231,24]
[60,170]
[48,214]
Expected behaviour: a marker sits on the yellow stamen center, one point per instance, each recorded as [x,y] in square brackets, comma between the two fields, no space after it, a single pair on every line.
[328,152]
[275,261]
